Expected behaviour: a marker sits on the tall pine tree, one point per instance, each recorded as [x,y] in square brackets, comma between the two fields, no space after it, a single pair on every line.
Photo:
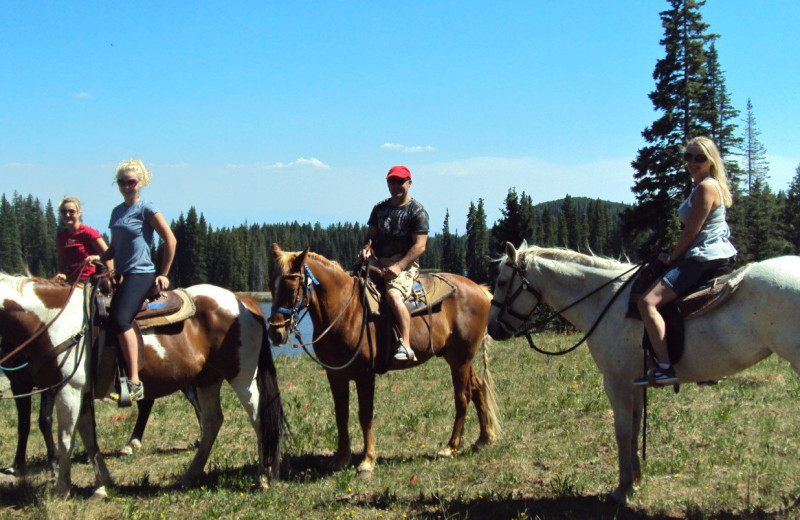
[686,101]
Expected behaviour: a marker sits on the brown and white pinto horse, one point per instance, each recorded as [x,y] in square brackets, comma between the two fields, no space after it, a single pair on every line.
[347,351]
[225,339]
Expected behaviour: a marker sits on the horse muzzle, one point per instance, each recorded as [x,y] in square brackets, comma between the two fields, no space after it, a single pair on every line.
[499,330]
[278,335]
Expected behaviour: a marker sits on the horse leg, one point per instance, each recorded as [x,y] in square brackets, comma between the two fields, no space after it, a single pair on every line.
[145,406]
[340,389]
[212,418]
[68,407]
[365,387]
[620,392]
[487,416]
[46,405]
[23,405]
[88,432]
[460,373]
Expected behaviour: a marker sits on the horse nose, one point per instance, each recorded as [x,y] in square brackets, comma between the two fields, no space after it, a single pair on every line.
[497,331]
[277,336]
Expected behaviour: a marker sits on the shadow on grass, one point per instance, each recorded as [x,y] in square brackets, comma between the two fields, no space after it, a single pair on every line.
[544,508]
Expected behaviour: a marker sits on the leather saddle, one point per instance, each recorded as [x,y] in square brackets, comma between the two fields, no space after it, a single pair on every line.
[716,288]
[427,295]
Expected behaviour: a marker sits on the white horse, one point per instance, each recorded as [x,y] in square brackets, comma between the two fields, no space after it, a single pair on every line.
[225,339]
[757,321]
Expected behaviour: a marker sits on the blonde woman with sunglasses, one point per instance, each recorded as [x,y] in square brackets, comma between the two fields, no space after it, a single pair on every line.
[132,225]
[704,244]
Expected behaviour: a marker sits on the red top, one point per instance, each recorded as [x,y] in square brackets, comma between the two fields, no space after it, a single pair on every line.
[74,249]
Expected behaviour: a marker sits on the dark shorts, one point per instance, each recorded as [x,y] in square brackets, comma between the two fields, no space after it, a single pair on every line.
[128,299]
[684,275]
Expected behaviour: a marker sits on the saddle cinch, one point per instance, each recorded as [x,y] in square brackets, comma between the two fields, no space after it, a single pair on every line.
[713,291]
[427,295]
[160,308]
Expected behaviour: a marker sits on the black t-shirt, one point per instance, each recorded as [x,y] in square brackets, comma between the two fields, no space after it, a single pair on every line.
[396,225]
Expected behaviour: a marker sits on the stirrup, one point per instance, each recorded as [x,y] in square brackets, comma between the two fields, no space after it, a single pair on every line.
[124,400]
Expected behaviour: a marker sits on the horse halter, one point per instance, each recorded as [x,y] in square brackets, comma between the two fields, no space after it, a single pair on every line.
[506,306]
[300,302]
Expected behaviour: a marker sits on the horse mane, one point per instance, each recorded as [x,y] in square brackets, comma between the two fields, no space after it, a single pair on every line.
[21,281]
[560,254]
[284,262]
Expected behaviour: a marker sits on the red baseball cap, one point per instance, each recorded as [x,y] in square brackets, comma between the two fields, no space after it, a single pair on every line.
[399,171]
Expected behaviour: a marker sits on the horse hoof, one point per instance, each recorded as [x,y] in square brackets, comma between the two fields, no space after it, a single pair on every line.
[445,453]
[128,449]
[365,474]
[100,493]
[619,496]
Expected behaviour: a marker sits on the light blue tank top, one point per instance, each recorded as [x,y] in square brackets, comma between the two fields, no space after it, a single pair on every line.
[712,243]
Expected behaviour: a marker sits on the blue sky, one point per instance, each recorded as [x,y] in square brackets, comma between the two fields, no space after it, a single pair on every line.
[282,111]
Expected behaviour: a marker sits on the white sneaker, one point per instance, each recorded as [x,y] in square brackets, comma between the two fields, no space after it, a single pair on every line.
[404,352]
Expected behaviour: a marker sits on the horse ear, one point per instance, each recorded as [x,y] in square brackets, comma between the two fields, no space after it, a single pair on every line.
[276,251]
[297,263]
[511,251]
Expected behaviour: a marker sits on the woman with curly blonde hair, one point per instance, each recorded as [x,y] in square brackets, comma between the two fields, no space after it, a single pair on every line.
[132,225]
[702,246]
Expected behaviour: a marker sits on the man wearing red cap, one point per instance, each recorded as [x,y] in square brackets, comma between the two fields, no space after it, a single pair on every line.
[397,236]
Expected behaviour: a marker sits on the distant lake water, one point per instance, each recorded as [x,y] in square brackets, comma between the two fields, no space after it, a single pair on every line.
[306,329]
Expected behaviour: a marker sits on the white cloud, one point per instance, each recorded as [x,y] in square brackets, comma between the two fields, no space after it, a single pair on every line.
[407,149]
[299,162]
[16,166]
[83,95]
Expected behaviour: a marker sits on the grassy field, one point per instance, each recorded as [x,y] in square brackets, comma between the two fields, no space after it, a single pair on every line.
[722,452]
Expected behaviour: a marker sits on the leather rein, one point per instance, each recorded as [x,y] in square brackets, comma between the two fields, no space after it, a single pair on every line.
[528,329]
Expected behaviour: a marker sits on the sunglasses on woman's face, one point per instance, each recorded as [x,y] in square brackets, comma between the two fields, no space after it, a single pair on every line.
[698,158]
[127,183]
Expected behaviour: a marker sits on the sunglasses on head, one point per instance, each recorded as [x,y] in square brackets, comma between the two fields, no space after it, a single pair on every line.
[698,158]
[68,212]
[396,180]
[127,183]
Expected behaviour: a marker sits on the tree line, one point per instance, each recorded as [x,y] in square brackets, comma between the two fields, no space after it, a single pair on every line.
[238,257]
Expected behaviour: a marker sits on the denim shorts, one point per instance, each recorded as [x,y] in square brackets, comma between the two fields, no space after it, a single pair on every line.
[687,272]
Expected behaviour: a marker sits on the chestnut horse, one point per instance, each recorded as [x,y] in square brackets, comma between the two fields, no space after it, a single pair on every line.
[225,339]
[347,349]
[756,322]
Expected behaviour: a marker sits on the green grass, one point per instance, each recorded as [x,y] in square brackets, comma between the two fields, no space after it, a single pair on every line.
[720,452]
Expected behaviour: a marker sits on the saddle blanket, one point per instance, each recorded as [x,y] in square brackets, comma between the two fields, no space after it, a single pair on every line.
[428,291]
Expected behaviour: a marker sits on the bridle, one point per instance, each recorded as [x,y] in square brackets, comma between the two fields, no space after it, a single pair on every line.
[300,305]
[526,328]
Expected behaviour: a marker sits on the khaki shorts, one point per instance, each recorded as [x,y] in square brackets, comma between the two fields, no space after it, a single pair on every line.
[405,280]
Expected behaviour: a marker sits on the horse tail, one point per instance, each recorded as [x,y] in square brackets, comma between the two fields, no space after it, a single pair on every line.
[271,417]
[492,410]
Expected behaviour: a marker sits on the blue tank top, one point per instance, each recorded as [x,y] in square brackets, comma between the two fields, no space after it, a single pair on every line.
[712,243]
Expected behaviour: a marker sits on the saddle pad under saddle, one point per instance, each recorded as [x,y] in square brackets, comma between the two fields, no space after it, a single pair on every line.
[169,307]
[428,291]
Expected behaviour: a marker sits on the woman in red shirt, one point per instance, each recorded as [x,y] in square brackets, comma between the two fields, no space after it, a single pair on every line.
[76,241]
